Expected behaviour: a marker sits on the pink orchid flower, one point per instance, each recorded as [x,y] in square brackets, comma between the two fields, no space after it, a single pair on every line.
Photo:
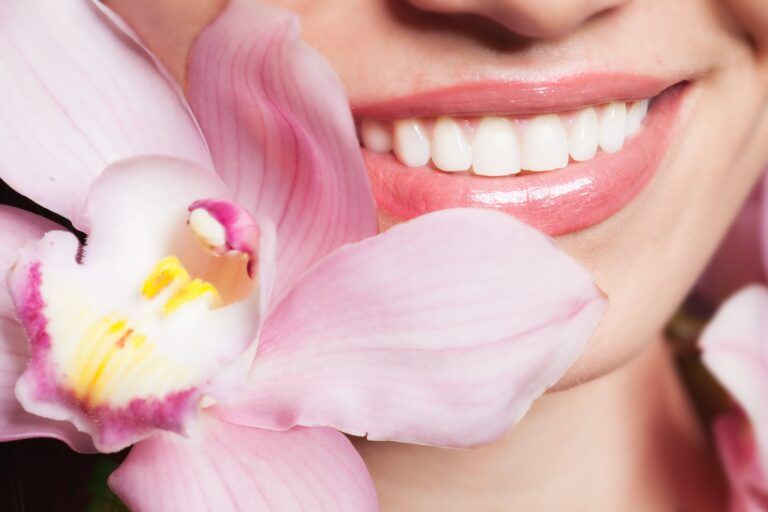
[735,349]
[229,324]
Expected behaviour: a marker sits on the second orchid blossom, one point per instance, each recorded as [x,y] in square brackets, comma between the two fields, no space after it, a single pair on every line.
[229,324]
[735,349]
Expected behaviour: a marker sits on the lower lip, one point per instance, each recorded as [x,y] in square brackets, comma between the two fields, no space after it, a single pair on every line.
[555,202]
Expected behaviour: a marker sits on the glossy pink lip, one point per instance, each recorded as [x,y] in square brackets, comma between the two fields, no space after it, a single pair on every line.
[516,98]
[555,202]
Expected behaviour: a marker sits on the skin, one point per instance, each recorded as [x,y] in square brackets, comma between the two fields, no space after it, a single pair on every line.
[631,439]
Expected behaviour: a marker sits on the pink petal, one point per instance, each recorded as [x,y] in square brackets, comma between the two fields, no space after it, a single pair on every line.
[20,228]
[441,331]
[281,134]
[79,95]
[746,477]
[735,349]
[235,468]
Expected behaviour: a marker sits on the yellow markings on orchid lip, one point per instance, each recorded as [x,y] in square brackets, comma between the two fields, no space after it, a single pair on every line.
[113,357]
[116,370]
[117,326]
[137,341]
[168,270]
[189,292]
[105,357]
[91,350]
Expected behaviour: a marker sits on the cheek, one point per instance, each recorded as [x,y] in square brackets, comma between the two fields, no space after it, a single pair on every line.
[169,27]
[753,15]
[649,256]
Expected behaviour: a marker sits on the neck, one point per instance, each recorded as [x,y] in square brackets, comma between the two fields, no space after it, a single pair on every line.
[626,441]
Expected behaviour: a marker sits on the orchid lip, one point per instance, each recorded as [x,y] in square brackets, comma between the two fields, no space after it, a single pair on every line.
[120,353]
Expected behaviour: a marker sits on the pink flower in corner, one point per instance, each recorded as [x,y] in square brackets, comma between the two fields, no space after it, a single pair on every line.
[229,324]
[735,349]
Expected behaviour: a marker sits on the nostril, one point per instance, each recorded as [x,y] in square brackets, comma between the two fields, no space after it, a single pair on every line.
[532,25]
[528,18]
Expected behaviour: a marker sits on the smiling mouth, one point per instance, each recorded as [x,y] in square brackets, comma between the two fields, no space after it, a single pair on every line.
[556,164]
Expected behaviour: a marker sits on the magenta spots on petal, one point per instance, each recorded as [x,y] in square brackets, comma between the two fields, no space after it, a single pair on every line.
[30,308]
[116,427]
[119,426]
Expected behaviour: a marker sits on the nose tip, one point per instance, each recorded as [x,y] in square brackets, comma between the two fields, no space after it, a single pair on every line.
[530,18]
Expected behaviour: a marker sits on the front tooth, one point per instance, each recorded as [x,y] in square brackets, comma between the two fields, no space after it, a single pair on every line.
[635,116]
[411,143]
[450,149]
[613,126]
[545,144]
[376,136]
[495,151]
[584,135]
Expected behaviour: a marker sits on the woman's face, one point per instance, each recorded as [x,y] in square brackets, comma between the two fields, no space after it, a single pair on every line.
[647,210]
[699,148]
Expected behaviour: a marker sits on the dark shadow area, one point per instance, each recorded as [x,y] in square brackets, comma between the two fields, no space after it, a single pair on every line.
[472,26]
[8,196]
[44,475]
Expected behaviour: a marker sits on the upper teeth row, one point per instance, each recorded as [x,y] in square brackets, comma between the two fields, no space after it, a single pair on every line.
[499,146]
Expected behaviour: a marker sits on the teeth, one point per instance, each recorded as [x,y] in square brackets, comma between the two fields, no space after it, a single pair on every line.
[411,143]
[635,116]
[501,146]
[545,144]
[584,134]
[613,126]
[450,149]
[376,136]
[495,151]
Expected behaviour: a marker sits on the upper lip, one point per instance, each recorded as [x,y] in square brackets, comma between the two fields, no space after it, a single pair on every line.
[514,97]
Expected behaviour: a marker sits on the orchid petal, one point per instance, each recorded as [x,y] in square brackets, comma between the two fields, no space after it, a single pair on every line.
[235,468]
[738,453]
[77,96]
[440,331]
[20,228]
[735,349]
[280,132]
